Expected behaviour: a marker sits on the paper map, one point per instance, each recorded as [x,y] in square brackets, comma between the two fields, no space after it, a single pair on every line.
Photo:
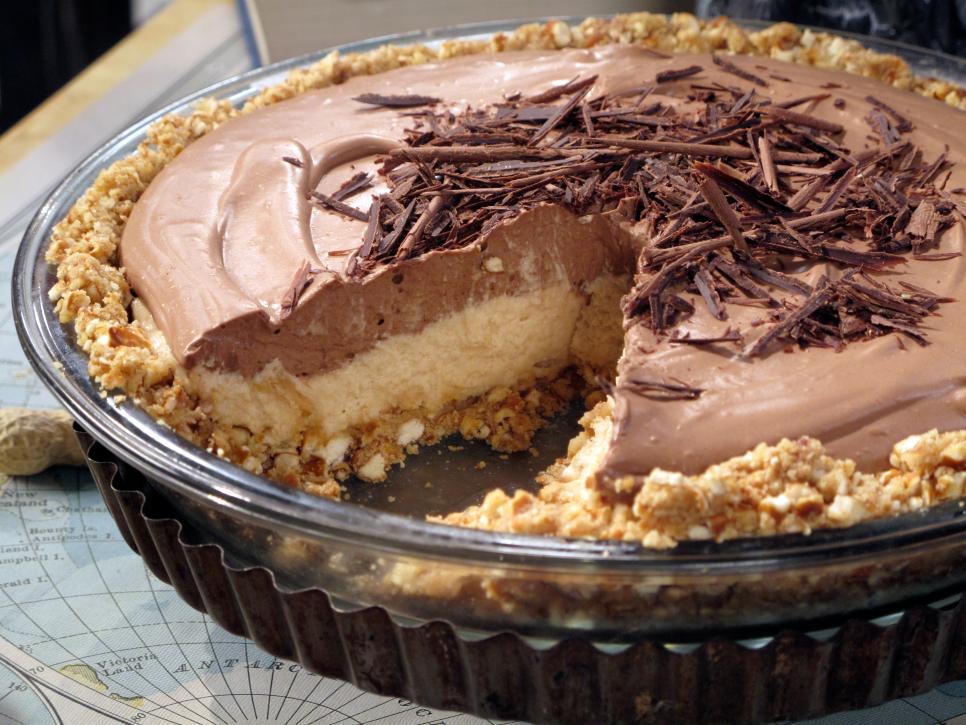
[87,634]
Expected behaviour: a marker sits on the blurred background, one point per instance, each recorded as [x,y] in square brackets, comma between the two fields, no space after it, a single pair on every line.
[45,43]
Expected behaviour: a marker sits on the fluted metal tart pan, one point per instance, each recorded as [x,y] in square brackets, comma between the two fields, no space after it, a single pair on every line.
[785,674]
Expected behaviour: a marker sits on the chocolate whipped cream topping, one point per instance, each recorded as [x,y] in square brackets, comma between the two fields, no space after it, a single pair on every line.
[229,227]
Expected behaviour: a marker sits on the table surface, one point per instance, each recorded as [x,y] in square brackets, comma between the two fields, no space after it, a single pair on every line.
[86,633]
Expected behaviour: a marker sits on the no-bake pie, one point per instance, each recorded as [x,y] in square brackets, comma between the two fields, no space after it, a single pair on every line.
[750,269]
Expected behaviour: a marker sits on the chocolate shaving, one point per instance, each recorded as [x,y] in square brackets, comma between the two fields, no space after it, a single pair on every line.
[768,171]
[699,149]
[742,189]
[555,92]
[388,243]
[729,67]
[555,173]
[373,228]
[666,76]
[561,113]
[659,390]
[904,124]
[726,215]
[741,280]
[930,171]
[801,170]
[778,279]
[705,285]
[353,185]
[882,126]
[588,120]
[836,193]
[293,161]
[395,101]
[802,119]
[880,296]
[811,99]
[807,193]
[391,204]
[924,222]
[478,154]
[816,300]
[936,256]
[419,228]
[903,327]
[300,282]
[855,258]
[731,336]
[338,206]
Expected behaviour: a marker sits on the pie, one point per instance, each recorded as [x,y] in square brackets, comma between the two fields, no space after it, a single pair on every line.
[748,266]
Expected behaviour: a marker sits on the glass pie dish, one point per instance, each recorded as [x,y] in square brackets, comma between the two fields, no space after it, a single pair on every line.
[482,582]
